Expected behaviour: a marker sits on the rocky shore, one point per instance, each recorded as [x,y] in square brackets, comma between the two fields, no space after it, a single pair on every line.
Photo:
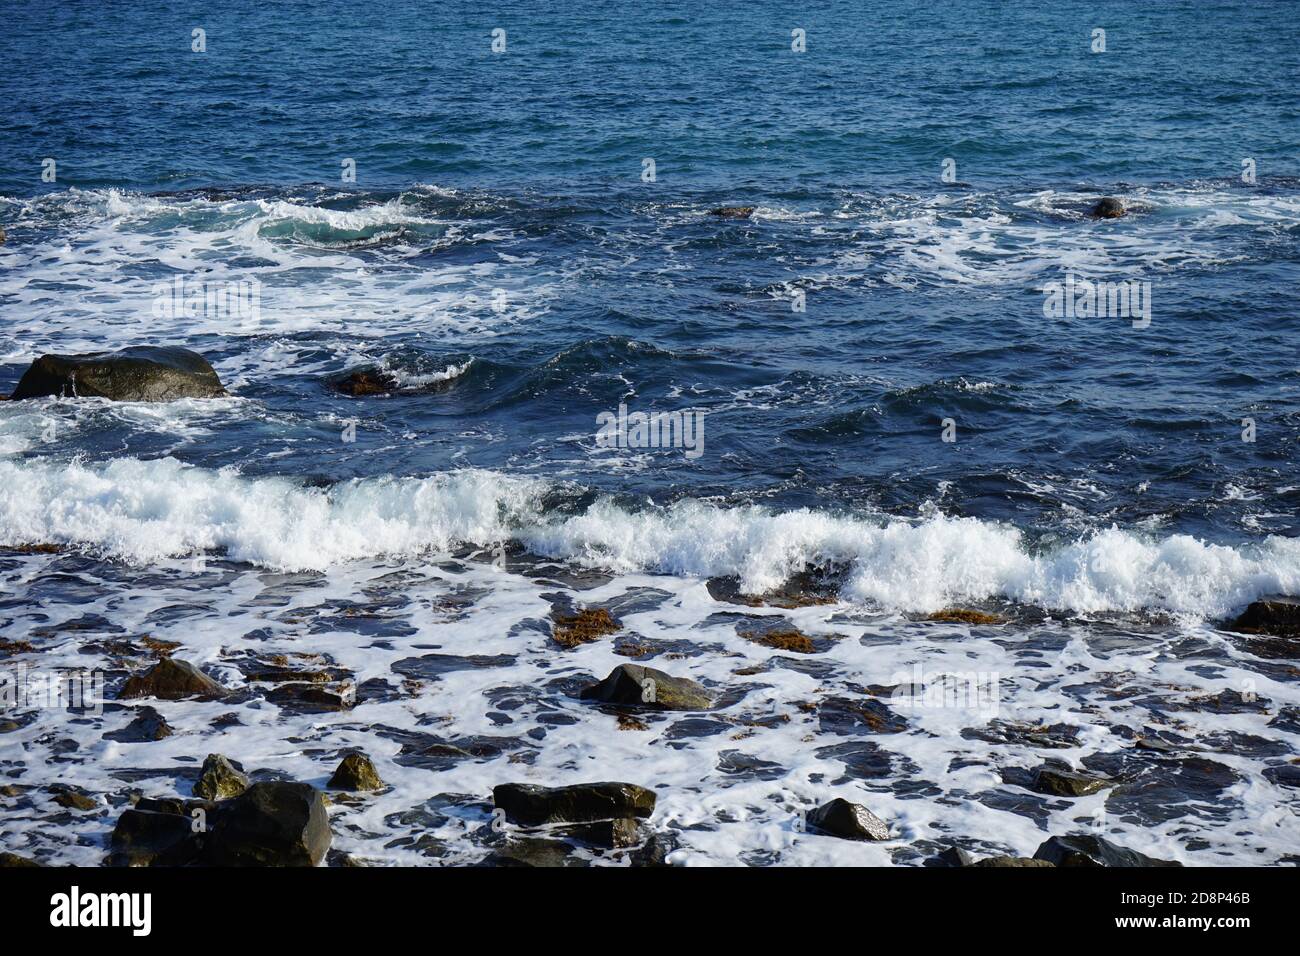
[323,737]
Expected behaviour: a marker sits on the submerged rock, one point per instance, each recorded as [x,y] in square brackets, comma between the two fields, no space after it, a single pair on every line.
[1087,850]
[788,639]
[142,374]
[584,627]
[639,686]
[962,615]
[220,779]
[733,212]
[849,821]
[312,698]
[171,679]
[356,772]
[1066,783]
[531,805]
[1107,208]
[1001,862]
[811,587]
[365,382]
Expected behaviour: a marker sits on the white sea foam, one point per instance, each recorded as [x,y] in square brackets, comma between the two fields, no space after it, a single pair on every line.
[80,288]
[144,511]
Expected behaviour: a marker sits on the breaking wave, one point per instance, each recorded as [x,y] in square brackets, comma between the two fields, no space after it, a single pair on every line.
[143,511]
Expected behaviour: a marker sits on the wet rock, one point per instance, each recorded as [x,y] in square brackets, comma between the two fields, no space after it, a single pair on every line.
[654,852]
[636,685]
[1284,775]
[433,666]
[961,615]
[1048,736]
[270,824]
[584,627]
[171,679]
[1107,208]
[1278,616]
[845,715]
[783,640]
[849,821]
[736,763]
[807,588]
[356,772]
[1066,783]
[531,805]
[140,374]
[312,698]
[1087,850]
[220,779]
[953,856]
[1226,702]
[365,382]
[13,860]
[3,237]
[733,212]
[73,799]
[157,833]
[147,725]
[628,722]
[532,852]
[1000,862]
[606,834]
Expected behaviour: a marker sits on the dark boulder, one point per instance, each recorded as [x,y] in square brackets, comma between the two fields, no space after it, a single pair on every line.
[637,686]
[1279,616]
[953,856]
[606,834]
[1083,849]
[142,374]
[1066,783]
[270,824]
[1107,208]
[356,772]
[157,833]
[531,805]
[171,679]
[220,779]
[147,725]
[849,821]
[733,212]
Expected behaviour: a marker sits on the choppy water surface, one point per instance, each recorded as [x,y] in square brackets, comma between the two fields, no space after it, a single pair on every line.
[501,258]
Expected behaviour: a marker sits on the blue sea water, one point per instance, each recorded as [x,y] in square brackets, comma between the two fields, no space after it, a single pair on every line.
[503,257]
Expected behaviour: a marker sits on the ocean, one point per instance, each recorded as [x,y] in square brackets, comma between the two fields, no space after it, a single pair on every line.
[917,374]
